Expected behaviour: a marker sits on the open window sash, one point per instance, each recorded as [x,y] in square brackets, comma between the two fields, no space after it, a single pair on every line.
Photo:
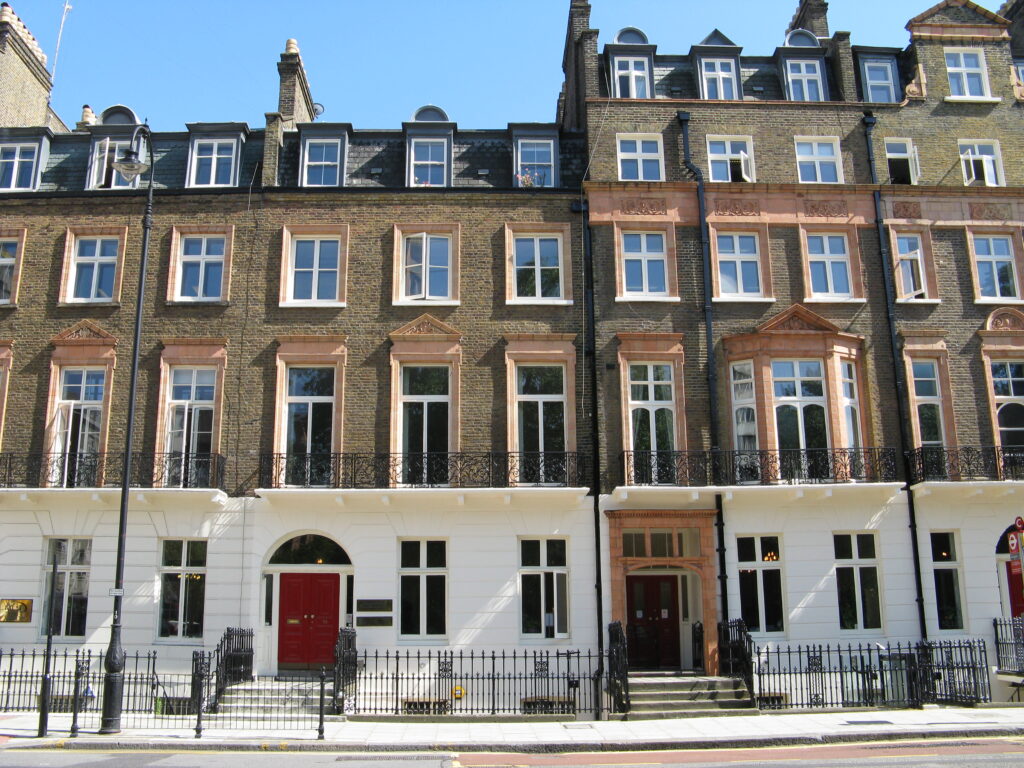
[75,461]
[189,446]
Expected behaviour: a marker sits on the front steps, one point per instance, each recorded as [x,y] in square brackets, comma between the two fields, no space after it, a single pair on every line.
[280,700]
[656,695]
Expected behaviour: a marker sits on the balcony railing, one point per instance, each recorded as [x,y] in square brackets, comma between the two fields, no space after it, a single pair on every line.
[781,467]
[105,470]
[966,463]
[421,470]
[1009,645]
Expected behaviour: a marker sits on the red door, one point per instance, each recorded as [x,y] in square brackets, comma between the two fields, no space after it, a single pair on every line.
[1015,583]
[652,608]
[308,619]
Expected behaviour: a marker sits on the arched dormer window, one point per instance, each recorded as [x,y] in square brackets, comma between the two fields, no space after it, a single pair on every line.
[801,38]
[631,36]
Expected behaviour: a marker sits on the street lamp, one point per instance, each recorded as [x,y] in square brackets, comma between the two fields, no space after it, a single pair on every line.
[128,166]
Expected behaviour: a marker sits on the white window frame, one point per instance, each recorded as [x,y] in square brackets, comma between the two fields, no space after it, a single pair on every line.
[540,476]
[425,267]
[184,571]
[65,570]
[425,469]
[817,159]
[849,401]
[910,155]
[962,72]
[1002,400]
[104,152]
[17,162]
[981,168]
[859,565]
[310,470]
[645,256]
[739,163]
[307,164]
[742,387]
[96,262]
[537,268]
[185,463]
[641,76]
[870,64]
[429,163]
[651,402]
[422,573]
[910,267]
[830,260]
[804,73]
[759,565]
[800,401]
[317,271]
[522,173]
[559,574]
[739,259]
[216,157]
[719,77]
[954,565]
[993,261]
[639,156]
[9,251]
[923,381]
[205,261]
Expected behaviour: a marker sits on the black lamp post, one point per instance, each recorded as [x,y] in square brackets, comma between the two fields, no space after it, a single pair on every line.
[128,166]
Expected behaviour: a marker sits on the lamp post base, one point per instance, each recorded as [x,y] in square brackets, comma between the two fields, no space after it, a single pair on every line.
[113,687]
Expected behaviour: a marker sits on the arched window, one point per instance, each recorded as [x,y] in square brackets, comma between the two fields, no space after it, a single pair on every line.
[310,549]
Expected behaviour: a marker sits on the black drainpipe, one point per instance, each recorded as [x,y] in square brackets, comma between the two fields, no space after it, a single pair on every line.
[709,343]
[590,358]
[898,371]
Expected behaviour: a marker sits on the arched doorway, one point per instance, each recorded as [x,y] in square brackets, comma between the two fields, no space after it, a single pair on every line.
[308,581]
[1011,579]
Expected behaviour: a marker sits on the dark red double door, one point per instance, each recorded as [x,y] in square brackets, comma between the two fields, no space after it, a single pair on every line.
[652,607]
[307,619]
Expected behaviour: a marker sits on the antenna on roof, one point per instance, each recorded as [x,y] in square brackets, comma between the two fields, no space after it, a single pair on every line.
[60,34]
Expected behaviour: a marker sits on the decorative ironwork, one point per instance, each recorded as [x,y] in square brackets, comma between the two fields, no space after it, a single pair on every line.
[421,470]
[966,463]
[736,651]
[346,660]
[1009,645]
[104,470]
[618,668]
[871,675]
[709,468]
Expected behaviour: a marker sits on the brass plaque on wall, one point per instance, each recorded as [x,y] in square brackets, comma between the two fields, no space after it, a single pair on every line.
[15,611]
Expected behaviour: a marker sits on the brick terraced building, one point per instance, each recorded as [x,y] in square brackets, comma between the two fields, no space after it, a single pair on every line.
[403,380]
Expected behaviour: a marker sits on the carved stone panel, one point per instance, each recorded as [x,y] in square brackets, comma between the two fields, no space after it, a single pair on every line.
[990,211]
[832,208]
[644,206]
[725,206]
[902,209]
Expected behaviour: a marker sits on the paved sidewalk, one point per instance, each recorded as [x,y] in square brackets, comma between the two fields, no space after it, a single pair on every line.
[683,733]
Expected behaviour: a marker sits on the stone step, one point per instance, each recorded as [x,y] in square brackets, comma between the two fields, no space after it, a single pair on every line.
[684,684]
[670,714]
[686,705]
[732,693]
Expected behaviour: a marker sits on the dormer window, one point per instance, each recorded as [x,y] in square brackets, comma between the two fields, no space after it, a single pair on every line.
[18,167]
[428,162]
[214,161]
[878,77]
[104,152]
[803,80]
[718,78]
[801,38]
[429,148]
[321,161]
[632,77]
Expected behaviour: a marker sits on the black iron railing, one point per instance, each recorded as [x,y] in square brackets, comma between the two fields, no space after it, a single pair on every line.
[618,668]
[346,661]
[710,468]
[871,675]
[966,463]
[232,659]
[421,470]
[736,651]
[1009,645]
[105,470]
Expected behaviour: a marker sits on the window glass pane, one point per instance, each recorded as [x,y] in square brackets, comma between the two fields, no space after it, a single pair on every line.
[435,605]
[556,552]
[869,598]
[196,554]
[942,548]
[410,554]
[311,382]
[81,551]
[436,554]
[847,593]
[531,603]
[410,605]
[749,608]
[193,610]
[529,550]
[947,598]
[866,546]
[773,614]
[633,544]
[172,551]
[424,380]
[539,380]
[170,597]
[842,543]
[661,544]
[745,549]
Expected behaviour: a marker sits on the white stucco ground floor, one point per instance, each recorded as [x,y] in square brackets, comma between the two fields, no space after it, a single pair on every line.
[510,569]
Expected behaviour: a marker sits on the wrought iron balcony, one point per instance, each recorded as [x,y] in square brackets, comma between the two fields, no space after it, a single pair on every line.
[966,463]
[421,470]
[780,467]
[105,470]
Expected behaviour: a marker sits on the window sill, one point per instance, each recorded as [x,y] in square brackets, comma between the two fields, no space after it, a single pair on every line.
[540,302]
[8,305]
[743,299]
[197,303]
[918,301]
[87,303]
[179,641]
[642,181]
[15,190]
[824,183]
[650,299]
[210,186]
[974,99]
[422,639]
[312,304]
[539,640]
[834,300]
[997,300]
[424,303]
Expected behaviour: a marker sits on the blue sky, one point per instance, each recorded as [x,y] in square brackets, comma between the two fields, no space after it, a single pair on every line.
[486,62]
